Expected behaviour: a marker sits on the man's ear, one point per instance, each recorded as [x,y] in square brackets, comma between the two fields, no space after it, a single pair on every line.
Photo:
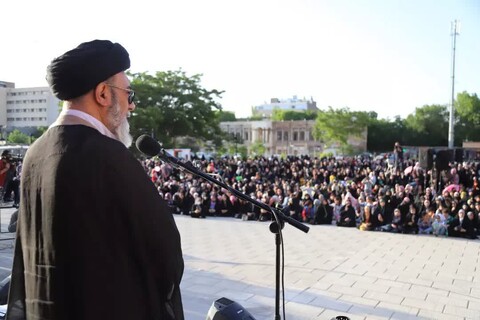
[102,94]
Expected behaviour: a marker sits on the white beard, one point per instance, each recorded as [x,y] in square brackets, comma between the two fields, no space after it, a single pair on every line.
[121,127]
[122,133]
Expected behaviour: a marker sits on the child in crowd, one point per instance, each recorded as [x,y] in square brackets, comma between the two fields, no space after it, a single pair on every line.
[438,227]
[425,222]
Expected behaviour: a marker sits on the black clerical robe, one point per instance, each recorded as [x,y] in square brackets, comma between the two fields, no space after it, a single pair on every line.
[94,238]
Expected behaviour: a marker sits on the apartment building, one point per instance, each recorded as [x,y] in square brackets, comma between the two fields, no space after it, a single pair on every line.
[26,108]
[292,104]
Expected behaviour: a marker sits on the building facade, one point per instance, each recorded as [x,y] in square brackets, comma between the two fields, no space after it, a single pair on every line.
[284,137]
[26,108]
[293,104]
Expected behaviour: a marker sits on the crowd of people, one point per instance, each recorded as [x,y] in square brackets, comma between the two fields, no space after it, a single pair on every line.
[10,172]
[370,194]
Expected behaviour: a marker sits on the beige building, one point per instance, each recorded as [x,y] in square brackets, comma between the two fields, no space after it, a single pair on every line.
[284,137]
[26,108]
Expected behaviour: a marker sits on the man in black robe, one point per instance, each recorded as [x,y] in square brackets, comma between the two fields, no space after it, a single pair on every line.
[94,238]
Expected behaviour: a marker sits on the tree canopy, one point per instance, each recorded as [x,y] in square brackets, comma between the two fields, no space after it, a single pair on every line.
[224,116]
[16,136]
[467,126]
[337,125]
[287,115]
[428,125]
[170,104]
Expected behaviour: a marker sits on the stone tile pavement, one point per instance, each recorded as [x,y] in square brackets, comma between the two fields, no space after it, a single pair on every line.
[328,272]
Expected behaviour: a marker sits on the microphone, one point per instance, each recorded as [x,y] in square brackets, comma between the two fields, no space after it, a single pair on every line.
[150,147]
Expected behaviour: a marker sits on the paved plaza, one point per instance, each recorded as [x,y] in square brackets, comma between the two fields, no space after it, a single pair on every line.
[328,272]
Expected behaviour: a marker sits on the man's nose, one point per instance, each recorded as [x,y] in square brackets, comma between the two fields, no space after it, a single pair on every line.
[131,106]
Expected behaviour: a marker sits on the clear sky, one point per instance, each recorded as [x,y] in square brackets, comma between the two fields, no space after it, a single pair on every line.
[388,56]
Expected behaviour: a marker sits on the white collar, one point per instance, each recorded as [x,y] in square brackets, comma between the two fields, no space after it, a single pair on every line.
[88,118]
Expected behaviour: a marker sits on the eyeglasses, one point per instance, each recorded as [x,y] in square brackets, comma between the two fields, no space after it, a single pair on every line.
[131,93]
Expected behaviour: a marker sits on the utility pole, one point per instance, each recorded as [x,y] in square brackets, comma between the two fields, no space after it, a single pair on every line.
[451,129]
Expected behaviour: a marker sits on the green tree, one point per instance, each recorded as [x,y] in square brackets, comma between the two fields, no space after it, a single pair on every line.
[171,104]
[16,136]
[468,107]
[383,133]
[38,133]
[243,151]
[224,116]
[337,125]
[286,115]
[258,148]
[428,126]
[467,126]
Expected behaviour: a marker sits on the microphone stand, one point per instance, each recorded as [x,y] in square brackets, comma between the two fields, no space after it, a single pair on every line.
[275,227]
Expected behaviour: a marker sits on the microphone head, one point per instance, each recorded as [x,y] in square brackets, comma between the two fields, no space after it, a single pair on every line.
[147,145]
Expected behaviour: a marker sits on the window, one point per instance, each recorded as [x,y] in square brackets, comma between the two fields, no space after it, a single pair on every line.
[10,119]
[10,102]
[295,135]
[246,136]
[302,135]
[285,135]
[279,135]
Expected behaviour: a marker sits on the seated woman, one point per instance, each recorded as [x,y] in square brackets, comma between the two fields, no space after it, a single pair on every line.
[461,226]
[411,219]
[197,208]
[367,219]
[396,226]
[324,212]
[265,215]
[224,206]
[347,215]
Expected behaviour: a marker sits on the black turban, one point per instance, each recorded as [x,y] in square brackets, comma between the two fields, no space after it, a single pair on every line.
[80,70]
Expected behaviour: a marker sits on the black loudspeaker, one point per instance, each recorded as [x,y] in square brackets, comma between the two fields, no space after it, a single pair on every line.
[425,158]
[443,158]
[226,309]
[459,155]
